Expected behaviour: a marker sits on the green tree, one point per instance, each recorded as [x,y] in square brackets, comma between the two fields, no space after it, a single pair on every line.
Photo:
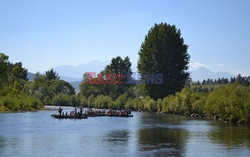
[19,72]
[47,86]
[164,51]
[52,75]
[10,72]
[61,86]
[4,66]
[118,66]
[13,77]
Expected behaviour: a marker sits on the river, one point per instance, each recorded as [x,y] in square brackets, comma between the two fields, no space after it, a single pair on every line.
[145,134]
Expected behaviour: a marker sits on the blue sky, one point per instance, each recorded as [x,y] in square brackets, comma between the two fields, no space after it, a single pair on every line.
[48,33]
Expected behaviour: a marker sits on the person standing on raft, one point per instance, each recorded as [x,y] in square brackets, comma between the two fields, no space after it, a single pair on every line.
[81,111]
[60,111]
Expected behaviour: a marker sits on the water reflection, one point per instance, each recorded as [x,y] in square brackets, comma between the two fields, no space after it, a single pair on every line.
[159,135]
[162,141]
[2,143]
[155,118]
[118,136]
[231,136]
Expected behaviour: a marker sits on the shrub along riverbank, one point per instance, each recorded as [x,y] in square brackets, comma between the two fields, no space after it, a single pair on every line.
[17,93]
[20,102]
[229,103]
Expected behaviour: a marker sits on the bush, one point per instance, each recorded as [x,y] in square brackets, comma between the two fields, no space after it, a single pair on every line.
[19,102]
[198,106]
[106,101]
[84,101]
[171,104]
[61,100]
[149,104]
[159,105]
[130,104]
[120,102]
[90,101]
[228,102]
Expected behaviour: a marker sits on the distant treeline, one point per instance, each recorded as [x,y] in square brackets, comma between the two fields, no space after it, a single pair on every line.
[238,79]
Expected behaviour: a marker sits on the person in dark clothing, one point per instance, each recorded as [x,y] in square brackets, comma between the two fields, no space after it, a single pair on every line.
[60,111]
[75,111]
[81,111]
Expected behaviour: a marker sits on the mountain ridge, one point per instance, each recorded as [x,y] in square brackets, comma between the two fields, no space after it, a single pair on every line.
[68,72]
[203,73]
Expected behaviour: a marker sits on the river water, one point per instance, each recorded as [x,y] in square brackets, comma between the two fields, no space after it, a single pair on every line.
[145,134]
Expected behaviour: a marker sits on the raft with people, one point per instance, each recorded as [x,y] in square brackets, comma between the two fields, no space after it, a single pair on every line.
[119,115]
[107,115]
[107,112]
[68,116]
[91,112]
[72,115]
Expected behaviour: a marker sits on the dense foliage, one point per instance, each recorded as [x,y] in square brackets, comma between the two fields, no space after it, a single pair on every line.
[49,88]
[13,78]
[19,94]
[164,51]
[230,103]
[117,66]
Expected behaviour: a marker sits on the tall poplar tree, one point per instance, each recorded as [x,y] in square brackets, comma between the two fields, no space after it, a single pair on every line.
[164,51]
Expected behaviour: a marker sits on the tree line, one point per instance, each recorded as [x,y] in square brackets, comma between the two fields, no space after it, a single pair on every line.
[238,79]
[230,103]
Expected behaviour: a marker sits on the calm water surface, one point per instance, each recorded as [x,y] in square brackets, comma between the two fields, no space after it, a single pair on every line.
[145,134]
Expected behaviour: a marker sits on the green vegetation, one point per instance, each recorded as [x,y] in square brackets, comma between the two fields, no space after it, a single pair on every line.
[13,78]
[20,102]
[117,66]
[164,52]
[46,87]
[230,103]
[19,94]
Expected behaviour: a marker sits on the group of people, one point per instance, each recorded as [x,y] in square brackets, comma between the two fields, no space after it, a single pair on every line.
[119,112]
[94,112]
[74,113]
[104,112]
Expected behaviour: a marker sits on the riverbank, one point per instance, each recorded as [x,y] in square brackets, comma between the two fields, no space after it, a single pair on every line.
[210,117]
[23,111]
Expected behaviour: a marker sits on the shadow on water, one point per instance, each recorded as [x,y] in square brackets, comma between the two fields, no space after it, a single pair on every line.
[158,138]
[162,141]
[231,136]
[2,143]
[155,118]
[118,137]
